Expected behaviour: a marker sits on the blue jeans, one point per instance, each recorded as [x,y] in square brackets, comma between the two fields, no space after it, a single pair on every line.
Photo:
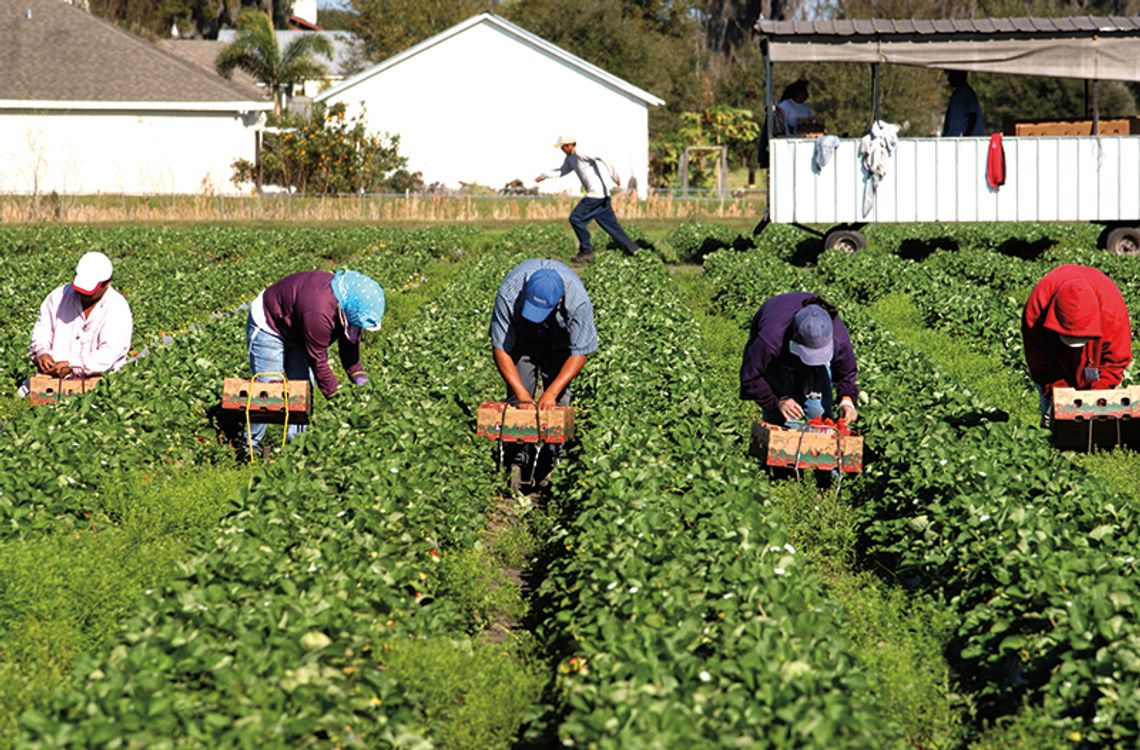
[601,211]
[268,352]
[809,386]
[1046,406]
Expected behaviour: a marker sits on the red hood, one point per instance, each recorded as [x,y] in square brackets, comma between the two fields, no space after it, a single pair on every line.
[1074,310]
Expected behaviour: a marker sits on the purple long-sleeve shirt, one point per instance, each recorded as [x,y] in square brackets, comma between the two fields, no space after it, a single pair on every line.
[768,346]
[302,309]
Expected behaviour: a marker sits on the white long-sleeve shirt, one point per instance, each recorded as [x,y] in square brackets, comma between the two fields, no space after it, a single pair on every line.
[597,176]
[93,345]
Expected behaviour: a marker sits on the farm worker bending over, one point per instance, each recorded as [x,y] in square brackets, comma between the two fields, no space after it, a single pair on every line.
[798,348]
[293,323]
[84,328]
[1076,333]
[542,324]
[597,178]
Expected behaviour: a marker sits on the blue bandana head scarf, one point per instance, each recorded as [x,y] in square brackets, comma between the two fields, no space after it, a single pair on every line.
[360,298]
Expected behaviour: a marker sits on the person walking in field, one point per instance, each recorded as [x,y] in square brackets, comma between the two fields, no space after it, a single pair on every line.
[294,321]
[542,325]
[1076,332]
[799,350]
[84,328]
[598,178]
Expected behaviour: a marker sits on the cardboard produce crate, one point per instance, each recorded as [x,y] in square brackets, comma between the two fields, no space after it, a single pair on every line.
[267,400]
[45,389]
[1112,126]
[817,448]
[1084,420]
[498,421]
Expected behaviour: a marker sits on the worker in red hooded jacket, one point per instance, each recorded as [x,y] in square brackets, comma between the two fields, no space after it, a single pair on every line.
[1076,333]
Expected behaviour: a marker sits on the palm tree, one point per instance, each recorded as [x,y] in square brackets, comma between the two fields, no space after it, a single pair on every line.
[255,51]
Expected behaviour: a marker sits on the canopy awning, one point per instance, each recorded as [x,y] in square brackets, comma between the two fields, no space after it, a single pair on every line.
[1087,47]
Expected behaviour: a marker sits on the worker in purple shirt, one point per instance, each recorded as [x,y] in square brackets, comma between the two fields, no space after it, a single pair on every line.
[293,323]
[798,350]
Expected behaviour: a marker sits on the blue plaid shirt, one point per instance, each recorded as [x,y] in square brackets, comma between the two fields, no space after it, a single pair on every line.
[575,315]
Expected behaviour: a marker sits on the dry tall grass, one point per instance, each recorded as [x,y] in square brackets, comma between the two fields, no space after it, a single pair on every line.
[371,209]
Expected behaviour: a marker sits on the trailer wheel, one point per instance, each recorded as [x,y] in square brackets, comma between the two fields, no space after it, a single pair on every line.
[1102,238]
[845,240]
[1124,241]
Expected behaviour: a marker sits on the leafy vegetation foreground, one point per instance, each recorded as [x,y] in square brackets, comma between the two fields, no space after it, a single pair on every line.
[372,586]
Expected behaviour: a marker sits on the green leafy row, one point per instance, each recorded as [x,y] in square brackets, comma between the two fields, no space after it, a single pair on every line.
[1035,555]
[329,608]
[679,611]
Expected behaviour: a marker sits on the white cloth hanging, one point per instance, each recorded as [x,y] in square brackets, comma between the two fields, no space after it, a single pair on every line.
[876,148]
[825,146]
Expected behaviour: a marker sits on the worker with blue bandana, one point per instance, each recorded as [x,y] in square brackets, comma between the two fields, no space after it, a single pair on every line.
[293,323]
[542,325]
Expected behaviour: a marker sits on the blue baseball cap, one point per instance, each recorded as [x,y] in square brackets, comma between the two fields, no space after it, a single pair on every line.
[542,293]
[812,338]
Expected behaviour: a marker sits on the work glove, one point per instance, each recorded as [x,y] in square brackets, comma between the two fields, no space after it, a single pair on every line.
[360,378]
[1092,374]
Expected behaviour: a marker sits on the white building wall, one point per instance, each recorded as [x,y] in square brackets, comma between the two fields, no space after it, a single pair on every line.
[483,107]
[306,9]
[81,152]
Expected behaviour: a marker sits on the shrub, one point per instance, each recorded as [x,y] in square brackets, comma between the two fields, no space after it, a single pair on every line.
[330,153]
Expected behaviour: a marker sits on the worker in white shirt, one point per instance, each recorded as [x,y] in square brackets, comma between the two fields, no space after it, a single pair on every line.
[84,328]
[794,107]
[597,178]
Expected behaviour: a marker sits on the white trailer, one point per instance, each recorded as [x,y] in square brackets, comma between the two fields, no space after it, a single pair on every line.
[1092,178]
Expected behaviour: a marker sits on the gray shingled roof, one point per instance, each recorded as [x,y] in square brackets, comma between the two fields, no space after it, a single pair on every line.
[1069,26]
[204,53]
[51,51]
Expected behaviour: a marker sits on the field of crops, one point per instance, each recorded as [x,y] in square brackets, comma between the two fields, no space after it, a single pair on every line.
[372,585]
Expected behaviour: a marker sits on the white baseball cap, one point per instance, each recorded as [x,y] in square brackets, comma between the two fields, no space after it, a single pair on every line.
[565,139]
[92,270]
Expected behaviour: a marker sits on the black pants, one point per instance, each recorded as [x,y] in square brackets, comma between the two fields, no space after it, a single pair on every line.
[600,210]
[533,362]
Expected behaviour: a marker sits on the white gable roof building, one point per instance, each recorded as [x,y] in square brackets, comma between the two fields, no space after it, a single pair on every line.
[484,101]
[86,107]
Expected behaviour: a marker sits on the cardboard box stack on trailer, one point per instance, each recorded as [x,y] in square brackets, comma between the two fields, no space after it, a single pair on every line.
[266,401]
[44,389]
[1114,126]
[1084,420]
[497,420]
[811,447]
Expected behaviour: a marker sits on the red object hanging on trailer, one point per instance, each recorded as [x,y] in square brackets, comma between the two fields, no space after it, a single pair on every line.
[995,163]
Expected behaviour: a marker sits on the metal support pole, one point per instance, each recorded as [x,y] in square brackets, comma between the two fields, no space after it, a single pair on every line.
[685,173]
[875,93]
[257,160]
[723,170]
[767,86]
[1096,107]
